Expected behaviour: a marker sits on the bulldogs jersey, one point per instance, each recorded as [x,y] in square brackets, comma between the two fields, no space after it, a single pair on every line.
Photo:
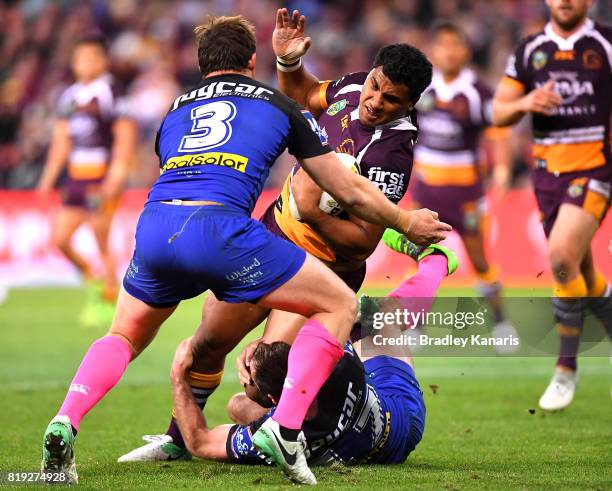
[384,154]
[91,109]
[575,137]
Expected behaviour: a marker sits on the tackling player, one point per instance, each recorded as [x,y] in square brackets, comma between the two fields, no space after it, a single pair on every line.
[454,113]
[368,115]
[196,234]
[562,76]
[369,412]
[95,137]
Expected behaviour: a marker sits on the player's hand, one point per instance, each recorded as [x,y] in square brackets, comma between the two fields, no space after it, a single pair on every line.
[183,359]
[422,227]
[243,362]
[306,194]
[543,100]
[288,39]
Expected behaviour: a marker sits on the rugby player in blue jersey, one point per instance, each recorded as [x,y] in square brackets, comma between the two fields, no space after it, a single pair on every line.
[369,411]
[216,146]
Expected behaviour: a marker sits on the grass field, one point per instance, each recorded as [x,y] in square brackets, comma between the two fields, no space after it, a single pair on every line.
[480,431]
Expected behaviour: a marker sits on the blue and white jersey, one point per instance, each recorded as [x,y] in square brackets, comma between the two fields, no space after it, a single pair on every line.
[219,140]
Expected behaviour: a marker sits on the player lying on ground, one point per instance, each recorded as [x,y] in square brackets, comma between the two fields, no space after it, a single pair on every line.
[454,116]
[383,148]
[562,76]
[195,234]
[95,137]
[371,412]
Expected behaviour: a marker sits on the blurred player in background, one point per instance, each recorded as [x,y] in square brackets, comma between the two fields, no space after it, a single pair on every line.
[95,137]
[196,234]
[562,76]
[454,113]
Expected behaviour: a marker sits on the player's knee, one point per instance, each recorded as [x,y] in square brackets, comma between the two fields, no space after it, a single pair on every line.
[349,306]
[564,262]
[62,243]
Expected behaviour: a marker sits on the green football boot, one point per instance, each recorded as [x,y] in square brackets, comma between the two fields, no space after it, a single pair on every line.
[58,452]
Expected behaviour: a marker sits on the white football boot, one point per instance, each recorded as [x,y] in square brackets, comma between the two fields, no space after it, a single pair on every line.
[560,392]
[160,447]
[286,454]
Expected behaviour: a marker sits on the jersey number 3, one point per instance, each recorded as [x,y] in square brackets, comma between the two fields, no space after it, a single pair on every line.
[211,126]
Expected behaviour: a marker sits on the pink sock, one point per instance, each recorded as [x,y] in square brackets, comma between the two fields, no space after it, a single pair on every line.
[101,368]
[419,291]
[312,358]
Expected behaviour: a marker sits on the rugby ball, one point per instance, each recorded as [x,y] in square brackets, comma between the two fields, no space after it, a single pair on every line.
[327,203]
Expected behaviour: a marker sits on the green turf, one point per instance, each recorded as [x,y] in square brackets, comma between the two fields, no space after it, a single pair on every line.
[480,432]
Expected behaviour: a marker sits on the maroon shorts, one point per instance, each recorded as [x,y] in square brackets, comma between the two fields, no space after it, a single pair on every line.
[82,193]
[354,279]
[462,207]
[590,189]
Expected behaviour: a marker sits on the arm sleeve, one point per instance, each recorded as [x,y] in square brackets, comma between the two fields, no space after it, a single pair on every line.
[515,73]
[239,445]
[306,138]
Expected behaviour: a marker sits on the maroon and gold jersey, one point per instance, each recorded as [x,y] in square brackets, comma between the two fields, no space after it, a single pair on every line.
[91,109]
[452,118]
[575,137]
[384,154]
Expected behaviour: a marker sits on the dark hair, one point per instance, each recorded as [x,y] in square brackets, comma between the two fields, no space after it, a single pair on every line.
[93,37]
[405,64]
[270,363]
[446,26]
[225,43]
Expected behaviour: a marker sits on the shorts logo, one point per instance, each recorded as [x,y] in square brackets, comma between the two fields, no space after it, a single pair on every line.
[576,189]
[539,59]
[231,160]
[336,107]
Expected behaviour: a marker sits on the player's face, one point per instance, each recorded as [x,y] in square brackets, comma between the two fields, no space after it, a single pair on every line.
[89,61]
[568,13]
[449,53]
[382,101]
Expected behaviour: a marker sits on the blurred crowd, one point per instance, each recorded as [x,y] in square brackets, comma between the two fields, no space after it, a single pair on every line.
[153,54]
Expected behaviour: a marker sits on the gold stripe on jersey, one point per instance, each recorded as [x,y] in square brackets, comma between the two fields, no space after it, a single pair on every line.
[512,83]
[457,175]
[323,94]
[80,171]
[571,157]
[299,233]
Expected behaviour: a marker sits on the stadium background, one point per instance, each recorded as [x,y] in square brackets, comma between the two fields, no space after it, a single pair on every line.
[482,429]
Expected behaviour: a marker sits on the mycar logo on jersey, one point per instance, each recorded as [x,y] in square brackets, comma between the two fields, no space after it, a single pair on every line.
[390,183]
[218,89]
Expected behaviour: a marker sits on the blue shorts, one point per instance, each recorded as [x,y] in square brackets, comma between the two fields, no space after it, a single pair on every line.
[402,398]
[182,251]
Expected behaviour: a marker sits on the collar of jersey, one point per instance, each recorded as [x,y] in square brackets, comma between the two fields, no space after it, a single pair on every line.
[568,44]
[447,91]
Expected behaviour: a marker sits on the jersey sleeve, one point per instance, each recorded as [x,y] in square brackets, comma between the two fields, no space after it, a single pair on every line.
[329,89]
[515,74]
[239,445]
[306,138]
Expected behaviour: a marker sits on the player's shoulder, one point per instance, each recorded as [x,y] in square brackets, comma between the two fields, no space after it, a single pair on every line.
[482,87]
[352,82]
[605,31]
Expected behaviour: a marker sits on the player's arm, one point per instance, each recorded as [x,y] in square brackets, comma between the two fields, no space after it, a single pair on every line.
[359,197]
[353,238]
[123,151]
[290,43]
[57,156]
[243,410]
[498,140]
[201,441]
[511,103]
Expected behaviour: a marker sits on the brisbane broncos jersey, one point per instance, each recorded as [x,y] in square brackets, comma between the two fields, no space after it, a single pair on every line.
[452,118]
[576,136]
[219,140]
[350,426]
[91,109]
[384,154]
